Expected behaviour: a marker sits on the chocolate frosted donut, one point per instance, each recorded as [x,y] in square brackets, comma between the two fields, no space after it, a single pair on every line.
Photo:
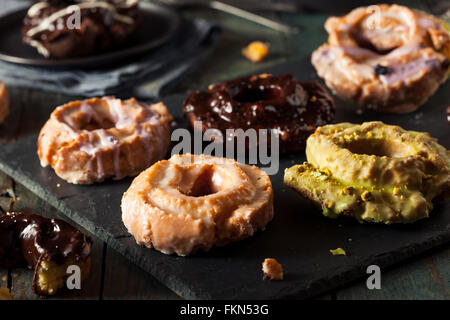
[48,246]
[51,26]
[280,103]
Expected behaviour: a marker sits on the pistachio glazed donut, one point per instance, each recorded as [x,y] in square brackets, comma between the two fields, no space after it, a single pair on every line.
[387,57]
[193,202]
[373,172]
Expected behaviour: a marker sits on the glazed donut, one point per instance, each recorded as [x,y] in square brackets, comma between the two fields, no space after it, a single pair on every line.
[48,246]
[4,102]
[88,141]
[373,172]
[280,103]
[49,26]
[390,59]
[192,202]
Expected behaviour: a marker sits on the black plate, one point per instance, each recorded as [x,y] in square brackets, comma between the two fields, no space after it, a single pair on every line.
[299,236]
[159,25]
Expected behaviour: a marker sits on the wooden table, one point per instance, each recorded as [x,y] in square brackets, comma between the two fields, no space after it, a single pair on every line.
[112,276]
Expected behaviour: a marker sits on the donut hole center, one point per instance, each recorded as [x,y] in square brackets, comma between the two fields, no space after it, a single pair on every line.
[203,185]
[363,41]
[261,93]
[378,147]
[96,124]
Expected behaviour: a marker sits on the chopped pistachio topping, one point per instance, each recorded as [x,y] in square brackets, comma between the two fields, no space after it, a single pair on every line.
[338,252]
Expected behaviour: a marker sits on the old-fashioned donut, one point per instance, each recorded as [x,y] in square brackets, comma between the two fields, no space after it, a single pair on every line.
[293,109]
[51,27]
[48,246]
[373,172]
[4,102]
[88,141]
[193,202]
[386,57]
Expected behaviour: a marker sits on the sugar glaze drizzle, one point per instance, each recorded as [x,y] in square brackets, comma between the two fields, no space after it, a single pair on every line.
[95,142]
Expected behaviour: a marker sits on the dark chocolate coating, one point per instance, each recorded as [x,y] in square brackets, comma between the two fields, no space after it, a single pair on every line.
[264,102]
[26,239]
[98,31]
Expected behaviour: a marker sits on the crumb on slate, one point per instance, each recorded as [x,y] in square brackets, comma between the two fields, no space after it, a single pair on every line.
[272,269]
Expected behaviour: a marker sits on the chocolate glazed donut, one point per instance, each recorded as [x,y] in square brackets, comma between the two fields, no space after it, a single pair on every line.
[46,245]
[280,103]
[104,24]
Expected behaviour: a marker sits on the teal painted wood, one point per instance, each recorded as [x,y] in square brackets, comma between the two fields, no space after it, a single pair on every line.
[227,60]
[424,277]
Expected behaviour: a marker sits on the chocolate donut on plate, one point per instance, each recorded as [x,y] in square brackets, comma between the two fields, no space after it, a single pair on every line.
[387,58]
[51,26]
[48,246]
[293,109]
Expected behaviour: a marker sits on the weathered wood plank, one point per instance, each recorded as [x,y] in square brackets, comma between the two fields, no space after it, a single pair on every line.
[5,203]
[8,129]
[423,277]
[7,194]
[124,280]
[3,278]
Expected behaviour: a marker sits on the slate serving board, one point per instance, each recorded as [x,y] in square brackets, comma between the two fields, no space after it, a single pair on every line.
[299,236]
